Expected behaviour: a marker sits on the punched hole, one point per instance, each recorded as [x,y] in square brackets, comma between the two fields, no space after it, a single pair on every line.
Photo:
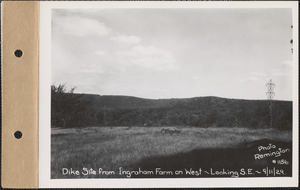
[18,53]
[18,134]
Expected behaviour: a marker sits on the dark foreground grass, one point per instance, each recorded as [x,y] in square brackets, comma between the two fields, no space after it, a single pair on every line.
[213,160]
[148,148]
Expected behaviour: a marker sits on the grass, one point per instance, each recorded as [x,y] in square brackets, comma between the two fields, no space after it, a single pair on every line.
[113,147]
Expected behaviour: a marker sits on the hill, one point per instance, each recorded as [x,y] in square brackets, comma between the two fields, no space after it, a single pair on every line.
[198,111]
[123,102]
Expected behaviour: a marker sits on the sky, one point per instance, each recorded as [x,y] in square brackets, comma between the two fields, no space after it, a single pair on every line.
[173,53]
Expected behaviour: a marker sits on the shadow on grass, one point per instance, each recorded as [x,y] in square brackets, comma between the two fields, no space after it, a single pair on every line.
[222,159]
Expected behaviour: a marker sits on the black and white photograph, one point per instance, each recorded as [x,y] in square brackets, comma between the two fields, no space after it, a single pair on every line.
[171,93]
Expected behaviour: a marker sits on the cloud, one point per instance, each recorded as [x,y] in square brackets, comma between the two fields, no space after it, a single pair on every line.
[281,72]
[149,57]
[258,74]
[284,70]
[79,26]
[75,25]
[253,79]
[287,64]
[100,52]
[125,40]
[255,76]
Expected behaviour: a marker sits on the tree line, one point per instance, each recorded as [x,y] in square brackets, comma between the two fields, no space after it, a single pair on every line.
[69,109]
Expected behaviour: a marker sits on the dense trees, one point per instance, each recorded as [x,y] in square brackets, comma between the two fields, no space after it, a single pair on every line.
[67,108]
[209,118]
[78,110]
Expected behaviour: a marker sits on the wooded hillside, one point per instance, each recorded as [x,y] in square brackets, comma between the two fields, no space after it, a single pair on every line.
[80,110]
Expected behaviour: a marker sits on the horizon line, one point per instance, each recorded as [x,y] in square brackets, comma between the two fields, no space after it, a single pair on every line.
[185,97]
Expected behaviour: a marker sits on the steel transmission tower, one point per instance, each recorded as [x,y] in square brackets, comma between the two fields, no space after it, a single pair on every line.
[270,87]
[270,95]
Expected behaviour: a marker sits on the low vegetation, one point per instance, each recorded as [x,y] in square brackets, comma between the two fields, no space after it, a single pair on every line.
[130,147]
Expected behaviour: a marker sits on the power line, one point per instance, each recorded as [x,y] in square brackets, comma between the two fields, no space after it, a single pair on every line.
[270,95]
[270,87]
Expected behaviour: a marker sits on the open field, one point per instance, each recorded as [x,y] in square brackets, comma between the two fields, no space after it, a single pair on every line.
[147,147]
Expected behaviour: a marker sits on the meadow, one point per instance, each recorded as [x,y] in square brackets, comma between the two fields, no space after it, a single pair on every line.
[148,147]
